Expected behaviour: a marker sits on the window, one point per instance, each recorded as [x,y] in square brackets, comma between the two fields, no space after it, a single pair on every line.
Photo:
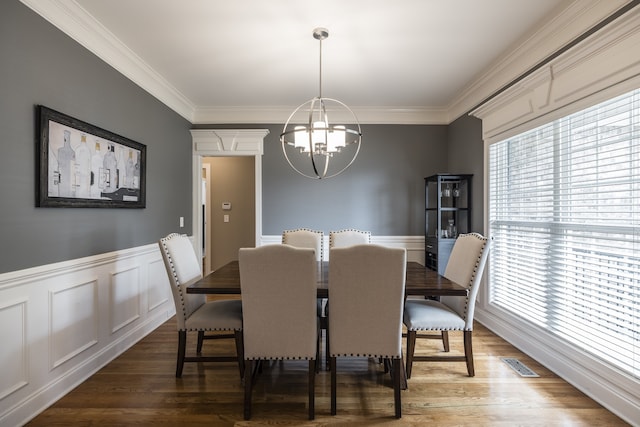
[564,212]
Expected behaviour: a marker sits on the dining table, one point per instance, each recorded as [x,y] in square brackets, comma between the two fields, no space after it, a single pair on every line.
[420,281]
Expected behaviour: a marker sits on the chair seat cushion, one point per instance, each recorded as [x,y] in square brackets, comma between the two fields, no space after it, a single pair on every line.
[224,315]
[425,315]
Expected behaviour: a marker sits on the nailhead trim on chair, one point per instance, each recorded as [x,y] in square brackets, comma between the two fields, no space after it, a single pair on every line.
[473,276]
[376,356]
[312,231]
[280,358]
[331,234]
[173,270]
[175,276]
[475,271]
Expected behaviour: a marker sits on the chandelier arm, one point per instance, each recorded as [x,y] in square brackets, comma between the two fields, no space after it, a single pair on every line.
[326,166]
[313,164]
[295,168]
[312,108]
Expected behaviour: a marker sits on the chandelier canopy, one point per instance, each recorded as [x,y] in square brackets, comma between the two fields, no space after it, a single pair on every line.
[313,145]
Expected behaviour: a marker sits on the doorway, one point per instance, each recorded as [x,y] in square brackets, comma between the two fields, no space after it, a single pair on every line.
[225,143]
[229,215]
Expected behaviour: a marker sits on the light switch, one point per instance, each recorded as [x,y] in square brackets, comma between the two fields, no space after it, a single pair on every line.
[181,221]
[226,218]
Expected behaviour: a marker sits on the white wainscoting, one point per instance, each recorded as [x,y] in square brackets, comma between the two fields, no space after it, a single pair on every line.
[62,322]
[413,244]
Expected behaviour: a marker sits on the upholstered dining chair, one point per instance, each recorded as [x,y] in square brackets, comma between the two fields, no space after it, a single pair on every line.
[450,313]
[305,238]
[348,237]
[193,312]
[279,292]
[341,239]
[366,288]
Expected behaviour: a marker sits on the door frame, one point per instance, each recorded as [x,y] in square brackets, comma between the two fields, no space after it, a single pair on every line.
[224,143]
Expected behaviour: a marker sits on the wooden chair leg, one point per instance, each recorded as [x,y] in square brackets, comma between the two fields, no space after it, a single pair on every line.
[468,353]
[327,342]
[411,346]
[239,337]
[318,341]
[396,387]
[182,346]
[248,383]
[200,341]
[312,389]
[332,367]
[445,340]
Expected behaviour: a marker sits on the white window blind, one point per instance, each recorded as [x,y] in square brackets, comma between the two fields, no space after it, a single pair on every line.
[564,212]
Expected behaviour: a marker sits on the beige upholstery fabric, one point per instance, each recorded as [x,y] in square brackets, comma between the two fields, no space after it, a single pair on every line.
[366,289]
[465,267]
[305,238]
[192,311]
[279,293]
[348,237]
[366,293]
[451,313]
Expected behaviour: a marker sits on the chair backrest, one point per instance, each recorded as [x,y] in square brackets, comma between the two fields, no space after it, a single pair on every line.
[466,264]
[305,238]
[348,237]
[183,269]
[279,293]
[366,294]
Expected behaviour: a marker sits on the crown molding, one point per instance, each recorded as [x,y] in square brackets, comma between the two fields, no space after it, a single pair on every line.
[365,115]
[70,18]
[570,20]
[563,26]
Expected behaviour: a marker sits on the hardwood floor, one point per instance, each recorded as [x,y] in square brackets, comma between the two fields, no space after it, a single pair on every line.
[139,388]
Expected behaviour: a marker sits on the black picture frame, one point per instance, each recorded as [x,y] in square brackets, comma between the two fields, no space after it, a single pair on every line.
[83,166]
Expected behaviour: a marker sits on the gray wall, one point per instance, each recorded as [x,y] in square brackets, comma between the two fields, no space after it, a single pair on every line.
[41,65]
[466,155]
[383,191]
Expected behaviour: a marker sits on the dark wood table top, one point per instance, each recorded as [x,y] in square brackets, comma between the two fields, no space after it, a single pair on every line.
[420,281]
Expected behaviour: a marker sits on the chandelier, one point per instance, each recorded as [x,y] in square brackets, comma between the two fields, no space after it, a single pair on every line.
[314,146]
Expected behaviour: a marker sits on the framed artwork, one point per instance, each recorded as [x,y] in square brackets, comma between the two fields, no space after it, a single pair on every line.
[84,166]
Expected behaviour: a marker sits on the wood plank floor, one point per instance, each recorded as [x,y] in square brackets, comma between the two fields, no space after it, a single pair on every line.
[139,388]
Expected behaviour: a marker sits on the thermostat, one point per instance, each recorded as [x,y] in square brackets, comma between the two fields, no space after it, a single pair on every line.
[226,206]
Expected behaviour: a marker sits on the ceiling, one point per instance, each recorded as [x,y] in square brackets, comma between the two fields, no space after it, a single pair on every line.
[223,61]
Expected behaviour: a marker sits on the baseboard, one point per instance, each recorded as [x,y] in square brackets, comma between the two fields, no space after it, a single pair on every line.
[611,388]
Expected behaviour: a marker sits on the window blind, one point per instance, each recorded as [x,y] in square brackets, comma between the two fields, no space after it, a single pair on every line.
[564,213]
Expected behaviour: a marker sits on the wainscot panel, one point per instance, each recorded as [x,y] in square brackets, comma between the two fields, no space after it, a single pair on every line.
[63,322]
[413,244]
